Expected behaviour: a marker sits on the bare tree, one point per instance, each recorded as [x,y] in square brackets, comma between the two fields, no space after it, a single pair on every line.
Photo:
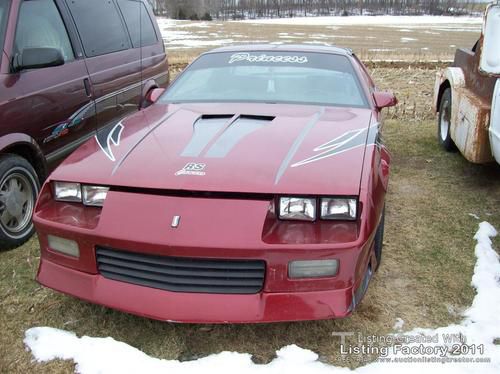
[237,9]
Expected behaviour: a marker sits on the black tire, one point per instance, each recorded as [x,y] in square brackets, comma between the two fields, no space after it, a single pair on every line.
[19,187]
[444,122]
[379,240]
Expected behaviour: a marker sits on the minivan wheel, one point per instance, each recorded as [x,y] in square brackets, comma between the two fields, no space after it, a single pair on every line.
[19,187]
[444,122]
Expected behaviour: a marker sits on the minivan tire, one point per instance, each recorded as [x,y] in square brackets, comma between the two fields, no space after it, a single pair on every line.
[19,187]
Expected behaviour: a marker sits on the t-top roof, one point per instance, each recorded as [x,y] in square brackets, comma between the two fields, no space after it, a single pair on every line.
[283,48]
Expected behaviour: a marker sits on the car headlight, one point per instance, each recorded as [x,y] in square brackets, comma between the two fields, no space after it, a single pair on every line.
[67,191]
[76,193]
[339,209]
[297,208]
[94,195]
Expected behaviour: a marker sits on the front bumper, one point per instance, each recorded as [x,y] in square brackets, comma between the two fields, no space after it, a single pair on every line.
[236,231]
[196,308]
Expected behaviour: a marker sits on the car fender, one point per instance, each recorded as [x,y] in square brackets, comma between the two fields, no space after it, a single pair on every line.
[373,188]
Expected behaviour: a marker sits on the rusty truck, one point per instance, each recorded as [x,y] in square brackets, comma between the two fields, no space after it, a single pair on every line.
[467,96]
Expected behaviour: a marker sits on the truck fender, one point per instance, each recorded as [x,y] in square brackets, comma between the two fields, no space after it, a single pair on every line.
[449,77]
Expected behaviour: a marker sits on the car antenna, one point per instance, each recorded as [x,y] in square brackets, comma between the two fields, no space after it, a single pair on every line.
[140,49]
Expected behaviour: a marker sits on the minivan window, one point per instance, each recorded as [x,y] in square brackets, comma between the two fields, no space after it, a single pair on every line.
[40,26]
[136,17]
[4,7]
[99,25]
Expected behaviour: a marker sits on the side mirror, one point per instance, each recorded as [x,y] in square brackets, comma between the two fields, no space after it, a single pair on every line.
[490,55]
[37,58]
[384,99]
[154,95]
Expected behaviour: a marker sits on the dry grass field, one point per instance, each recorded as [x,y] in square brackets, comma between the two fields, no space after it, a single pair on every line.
[411,42]
[428,254]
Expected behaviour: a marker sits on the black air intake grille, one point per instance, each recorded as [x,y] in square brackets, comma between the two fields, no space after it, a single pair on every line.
[181,274]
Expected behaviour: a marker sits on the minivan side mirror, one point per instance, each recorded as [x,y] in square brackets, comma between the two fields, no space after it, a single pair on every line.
[384,99]
[490,53]
[37,58]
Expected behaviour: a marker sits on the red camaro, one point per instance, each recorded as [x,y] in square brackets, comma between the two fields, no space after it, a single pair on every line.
[252,190]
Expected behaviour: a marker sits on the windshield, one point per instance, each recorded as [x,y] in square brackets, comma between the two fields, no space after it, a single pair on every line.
[3,20]
[269,77]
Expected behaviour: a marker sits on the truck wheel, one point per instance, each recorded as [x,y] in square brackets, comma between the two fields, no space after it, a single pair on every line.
[379,240]
[444,122]
[19,187]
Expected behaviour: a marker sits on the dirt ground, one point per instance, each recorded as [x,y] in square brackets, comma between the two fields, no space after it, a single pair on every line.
[424,277]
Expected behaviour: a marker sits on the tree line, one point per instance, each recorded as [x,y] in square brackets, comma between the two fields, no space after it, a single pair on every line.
[251,9]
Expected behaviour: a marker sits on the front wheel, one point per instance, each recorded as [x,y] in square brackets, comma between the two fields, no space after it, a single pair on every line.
[19,187]
[444,122]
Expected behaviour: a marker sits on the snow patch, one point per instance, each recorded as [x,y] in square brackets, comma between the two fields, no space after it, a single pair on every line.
[370,20]
[196,43]
[481,326]
[176,35]
[381,49]
[398,326]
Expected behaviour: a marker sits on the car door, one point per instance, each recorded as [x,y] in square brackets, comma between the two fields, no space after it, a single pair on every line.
[50,104]
[113,64]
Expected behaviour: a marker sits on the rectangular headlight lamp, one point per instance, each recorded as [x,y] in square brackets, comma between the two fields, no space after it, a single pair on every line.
[339,209]
[297,208]
[68,191]
[313,269]
[94,195]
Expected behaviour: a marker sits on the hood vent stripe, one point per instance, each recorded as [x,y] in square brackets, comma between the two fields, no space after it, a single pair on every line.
[296,145]
[216,135]
[204,130]
[240,128]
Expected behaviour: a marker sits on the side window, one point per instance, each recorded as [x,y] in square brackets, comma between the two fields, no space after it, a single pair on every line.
[4,12]
[40,26]
[137,17]
[99,25]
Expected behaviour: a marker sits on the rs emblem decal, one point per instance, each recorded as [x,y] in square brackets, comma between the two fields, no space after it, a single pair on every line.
[192,168]
[106,139]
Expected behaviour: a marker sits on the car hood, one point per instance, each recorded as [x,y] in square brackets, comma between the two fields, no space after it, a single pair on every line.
[245,148]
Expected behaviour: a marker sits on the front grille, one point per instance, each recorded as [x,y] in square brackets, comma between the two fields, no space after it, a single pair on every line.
[181,274]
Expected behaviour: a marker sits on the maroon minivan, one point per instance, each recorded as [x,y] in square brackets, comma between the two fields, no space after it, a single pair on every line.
[68,68]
